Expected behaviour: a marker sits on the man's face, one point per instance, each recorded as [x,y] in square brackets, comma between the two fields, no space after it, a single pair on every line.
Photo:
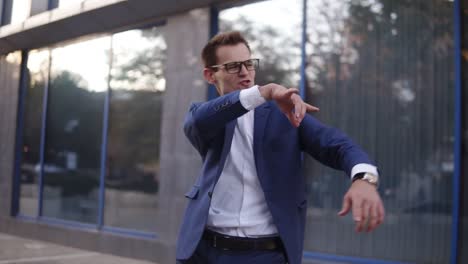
[228,82]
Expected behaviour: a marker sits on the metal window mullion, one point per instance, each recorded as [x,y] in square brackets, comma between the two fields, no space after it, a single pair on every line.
[302,84]
[105,129]
[16,188]
[457,132]
[45,101]
[214,29]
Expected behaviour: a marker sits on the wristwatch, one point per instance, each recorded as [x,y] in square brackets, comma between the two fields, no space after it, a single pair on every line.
[368,177]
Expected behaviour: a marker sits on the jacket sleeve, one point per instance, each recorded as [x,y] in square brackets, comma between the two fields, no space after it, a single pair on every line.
[330,146]
[206,120]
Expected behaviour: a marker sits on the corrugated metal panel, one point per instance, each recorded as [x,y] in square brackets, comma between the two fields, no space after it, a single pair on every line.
[463,231]
[387,81]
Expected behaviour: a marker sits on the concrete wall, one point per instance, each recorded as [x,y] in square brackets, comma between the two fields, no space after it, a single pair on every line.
[89,17]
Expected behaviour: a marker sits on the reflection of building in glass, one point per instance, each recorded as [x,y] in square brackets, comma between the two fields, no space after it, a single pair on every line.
[93,95]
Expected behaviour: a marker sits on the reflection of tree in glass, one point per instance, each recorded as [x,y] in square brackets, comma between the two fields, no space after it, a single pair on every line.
[279,54]
[341,41]
[135,122]
[134,140]
[385,61]
[137,87]
[33,115]
[144,69]
[74,120]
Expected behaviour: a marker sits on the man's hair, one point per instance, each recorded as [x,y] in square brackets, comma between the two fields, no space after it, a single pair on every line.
[230,38]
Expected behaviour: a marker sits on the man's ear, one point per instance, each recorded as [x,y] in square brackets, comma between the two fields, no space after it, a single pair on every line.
[208,74]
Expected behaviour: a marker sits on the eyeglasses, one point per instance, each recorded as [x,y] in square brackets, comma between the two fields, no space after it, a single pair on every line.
[236,66]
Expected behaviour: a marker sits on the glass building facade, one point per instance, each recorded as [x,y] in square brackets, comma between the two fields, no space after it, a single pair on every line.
[392,74]
[90,150]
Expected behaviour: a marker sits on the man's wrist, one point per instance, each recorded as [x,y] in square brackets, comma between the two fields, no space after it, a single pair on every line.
[367,177]
[265,91]
[250,98]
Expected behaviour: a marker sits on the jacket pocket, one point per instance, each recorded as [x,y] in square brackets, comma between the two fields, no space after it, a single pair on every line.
[192,193]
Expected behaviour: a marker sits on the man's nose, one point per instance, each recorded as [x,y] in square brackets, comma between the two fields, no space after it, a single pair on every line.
[243,69]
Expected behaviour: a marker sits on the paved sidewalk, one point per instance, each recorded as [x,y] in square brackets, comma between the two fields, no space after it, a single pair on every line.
[17,250]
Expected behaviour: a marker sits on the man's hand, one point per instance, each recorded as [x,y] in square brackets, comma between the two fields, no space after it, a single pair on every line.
[289,102]
[366,204]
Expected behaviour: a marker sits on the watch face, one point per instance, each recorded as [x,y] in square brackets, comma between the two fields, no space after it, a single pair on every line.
[370,178]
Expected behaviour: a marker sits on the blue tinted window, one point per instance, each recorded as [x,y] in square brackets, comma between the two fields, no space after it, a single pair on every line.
[72,151]
[36,76]
[137,88]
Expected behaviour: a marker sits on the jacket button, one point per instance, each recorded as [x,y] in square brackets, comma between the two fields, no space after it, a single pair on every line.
[210,194]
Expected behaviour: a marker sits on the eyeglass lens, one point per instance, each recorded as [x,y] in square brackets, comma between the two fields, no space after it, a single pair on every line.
[235,67]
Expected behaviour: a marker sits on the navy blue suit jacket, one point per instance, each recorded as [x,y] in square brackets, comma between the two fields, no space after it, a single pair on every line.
[277,149]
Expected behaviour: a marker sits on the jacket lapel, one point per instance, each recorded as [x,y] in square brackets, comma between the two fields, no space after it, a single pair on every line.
[260,119]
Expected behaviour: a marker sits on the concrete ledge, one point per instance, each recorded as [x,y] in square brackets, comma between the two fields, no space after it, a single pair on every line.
[21,250]
[91,16]
[120,245]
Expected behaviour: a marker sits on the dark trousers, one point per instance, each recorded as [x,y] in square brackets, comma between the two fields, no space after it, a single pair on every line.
[206,254]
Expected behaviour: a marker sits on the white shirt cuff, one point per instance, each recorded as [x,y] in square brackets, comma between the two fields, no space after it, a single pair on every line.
[251,98]
[364,167]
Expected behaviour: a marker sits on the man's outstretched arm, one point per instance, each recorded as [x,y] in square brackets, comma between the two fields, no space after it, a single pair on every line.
[205,120]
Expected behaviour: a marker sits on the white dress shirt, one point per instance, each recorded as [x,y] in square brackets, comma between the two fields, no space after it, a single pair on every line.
[238,206]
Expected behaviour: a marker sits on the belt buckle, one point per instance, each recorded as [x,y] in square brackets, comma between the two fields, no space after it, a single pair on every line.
[214,241]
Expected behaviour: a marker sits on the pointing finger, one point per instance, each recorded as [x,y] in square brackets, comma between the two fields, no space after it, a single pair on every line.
[311,108]
[292,119]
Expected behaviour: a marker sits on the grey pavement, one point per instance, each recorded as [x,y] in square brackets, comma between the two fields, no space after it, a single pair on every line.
[15,250]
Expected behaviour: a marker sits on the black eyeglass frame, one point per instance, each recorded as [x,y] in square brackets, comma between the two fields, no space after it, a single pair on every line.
[235,67]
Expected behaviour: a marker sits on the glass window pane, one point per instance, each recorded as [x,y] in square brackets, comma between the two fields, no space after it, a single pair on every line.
[137,89]
[79,74]
[275,42]
[37,74]
[20,10]
[382,71]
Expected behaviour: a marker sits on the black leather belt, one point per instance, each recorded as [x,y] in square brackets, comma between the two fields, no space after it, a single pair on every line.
[226,242]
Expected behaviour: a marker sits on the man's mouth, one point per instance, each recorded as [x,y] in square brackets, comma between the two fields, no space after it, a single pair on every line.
[245,83]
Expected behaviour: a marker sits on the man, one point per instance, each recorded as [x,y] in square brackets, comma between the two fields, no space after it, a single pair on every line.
[248,204]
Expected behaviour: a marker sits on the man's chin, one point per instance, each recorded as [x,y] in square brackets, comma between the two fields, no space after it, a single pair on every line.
[240,87]
[245,86]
